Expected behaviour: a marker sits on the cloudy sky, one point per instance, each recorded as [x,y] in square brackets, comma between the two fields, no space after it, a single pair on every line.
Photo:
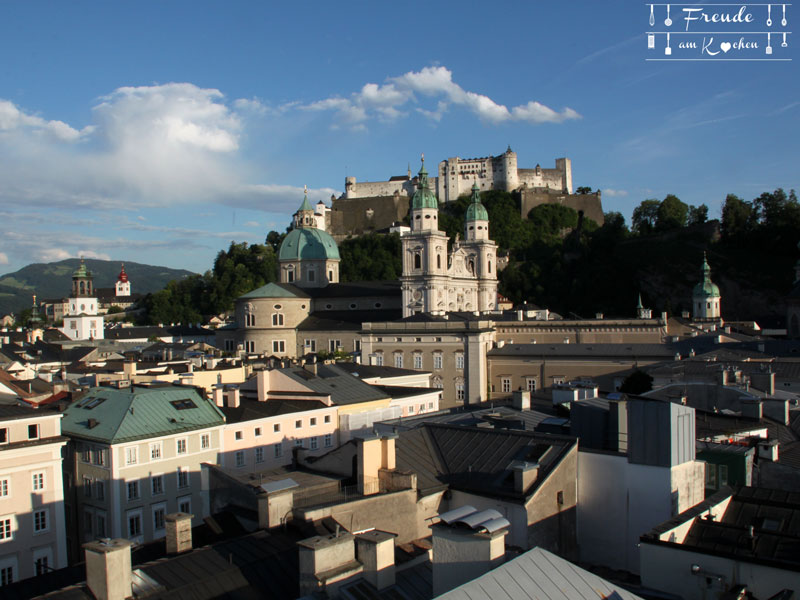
[160,131]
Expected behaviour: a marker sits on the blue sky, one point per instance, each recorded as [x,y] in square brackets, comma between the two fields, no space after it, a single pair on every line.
[160,131]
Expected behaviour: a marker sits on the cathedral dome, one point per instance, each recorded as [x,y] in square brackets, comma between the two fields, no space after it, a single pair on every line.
[476,211]
[706,288]
[308,243]
[423,197]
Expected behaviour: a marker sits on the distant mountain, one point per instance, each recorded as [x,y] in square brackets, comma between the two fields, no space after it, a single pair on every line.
[54,280]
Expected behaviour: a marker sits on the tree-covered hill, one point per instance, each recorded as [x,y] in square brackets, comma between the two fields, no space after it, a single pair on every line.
[54,280]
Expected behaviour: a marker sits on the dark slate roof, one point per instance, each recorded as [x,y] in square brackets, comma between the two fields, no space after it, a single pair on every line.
[399,391]
[599,351]
[775,518]
[356,289]
[724,448]
[370,371]
[342,387]
[349,320]
[128,333]
[500,417]
[476,459]
[713,424]
[249,410]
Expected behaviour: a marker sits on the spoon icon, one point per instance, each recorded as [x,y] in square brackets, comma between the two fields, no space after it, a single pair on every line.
[652,18]
[783,21]
[668,21]
[784,44]
[769,15]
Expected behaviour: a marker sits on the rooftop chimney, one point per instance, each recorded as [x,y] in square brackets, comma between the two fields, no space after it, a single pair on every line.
[376,552]
[521,400]
[525,474]
[232,397]
[768,450]
[219,392]
[752,408]
[326,560]
[108,569]
[179,532]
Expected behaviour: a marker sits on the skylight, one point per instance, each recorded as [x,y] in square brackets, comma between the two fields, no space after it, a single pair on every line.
[184,404]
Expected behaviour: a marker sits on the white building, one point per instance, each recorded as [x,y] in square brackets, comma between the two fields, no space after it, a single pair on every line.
[82,321]
[435,280]
[706,297]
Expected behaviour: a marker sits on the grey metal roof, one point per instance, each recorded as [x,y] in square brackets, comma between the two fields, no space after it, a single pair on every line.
[540,575]
[342,387]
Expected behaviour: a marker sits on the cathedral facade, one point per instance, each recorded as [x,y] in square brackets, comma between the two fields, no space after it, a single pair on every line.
[436,279]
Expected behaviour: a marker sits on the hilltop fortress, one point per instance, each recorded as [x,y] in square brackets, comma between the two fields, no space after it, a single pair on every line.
[376,205]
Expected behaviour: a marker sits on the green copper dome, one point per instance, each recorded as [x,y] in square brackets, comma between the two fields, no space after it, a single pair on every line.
[81,272]
[706,288]
[423,197]
[476,211]
[308,243]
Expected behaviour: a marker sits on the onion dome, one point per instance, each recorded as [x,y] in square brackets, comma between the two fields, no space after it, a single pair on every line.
[706,288]
[476,211]
[423,197]
[123,276]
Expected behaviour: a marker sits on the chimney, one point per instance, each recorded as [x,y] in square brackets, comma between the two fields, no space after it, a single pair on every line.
[374,454]
[326,560]
[764,382]
[525,474]
[129,368]
[219,391]
[311,366]
[232,397]
[752,409]
[108,569]
[768,450]
[521,400]
[179,532]
[376,553]
[462,537]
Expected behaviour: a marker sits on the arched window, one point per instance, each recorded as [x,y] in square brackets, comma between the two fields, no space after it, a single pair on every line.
[471,266]
[290,273]
[490,266]
[83,287]
[438,261]
[417,260]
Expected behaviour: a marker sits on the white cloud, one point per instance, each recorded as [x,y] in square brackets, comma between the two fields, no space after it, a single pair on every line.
[614,193]
[252,224]
[386,101]
[3,258]
[52,254]
[13,119]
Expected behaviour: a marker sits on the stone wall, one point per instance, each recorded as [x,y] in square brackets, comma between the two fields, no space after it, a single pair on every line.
[358,216]
[590,204]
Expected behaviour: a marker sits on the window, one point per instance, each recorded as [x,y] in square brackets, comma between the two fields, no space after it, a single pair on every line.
[183,404]
[205,441]
[4,487]
[459,361]
[327,419]
[155,451]
[38,481]
[5,529]
[277,319]
[249,320]
[298,442]
[379,359]
[249,346]
[101,524]
[312,275]
[531,385]
[278,346]
[310,346]
[417,361]
[278,450]
[99,456]
[181,446]
[230,345]
[437,361]
[430,405]
[314,443]
[87,487]
[290,274]
[3,435]
[159,514]
[411,410]
[334,345]
[312,421]
[328,441]
[240,458]
[133,490]
[238,435]
[711,475]
[185,504]
[86,454]
[276,428]
[506,384]
[7,574]
[33,432]
[183,478]
[40,566]
[259,454]
[459,391]
[100,489]
[131,455]
[157,485]
[258,432]
[398,360]
[134,524]
[40,521]
[417,260]
[723,474]
[298,424]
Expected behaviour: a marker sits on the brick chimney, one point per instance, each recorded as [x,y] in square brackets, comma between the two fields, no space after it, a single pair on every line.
[376,552]
[326,560]
[108,569]
[179,532]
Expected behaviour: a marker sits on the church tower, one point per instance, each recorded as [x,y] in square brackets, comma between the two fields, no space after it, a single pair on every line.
[484,250]
[123,286]
[82,321]
[706,297]
[424,275]
[308,256]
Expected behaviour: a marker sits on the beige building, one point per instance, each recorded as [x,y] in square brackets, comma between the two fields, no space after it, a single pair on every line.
[135,456]
[32,528]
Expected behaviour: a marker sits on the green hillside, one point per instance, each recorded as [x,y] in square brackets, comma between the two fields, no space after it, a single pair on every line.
[53,280]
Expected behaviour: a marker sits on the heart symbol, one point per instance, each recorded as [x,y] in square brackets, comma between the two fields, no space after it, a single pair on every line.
[725,46]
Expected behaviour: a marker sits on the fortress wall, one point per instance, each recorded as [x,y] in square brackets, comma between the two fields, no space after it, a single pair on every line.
[369,189]
[590,204]
[356,216]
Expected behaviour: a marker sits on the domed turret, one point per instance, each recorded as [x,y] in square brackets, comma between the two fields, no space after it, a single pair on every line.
[423,197]
[82,282]
[476,219]
[706,296]
[123,286]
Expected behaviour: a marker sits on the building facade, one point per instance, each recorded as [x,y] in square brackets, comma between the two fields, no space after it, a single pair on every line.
[82,321]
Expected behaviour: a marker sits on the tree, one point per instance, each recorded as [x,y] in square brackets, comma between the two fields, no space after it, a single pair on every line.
[274,240]
[671,214]
[645,216]
[738,216]
[583,190]
[698,214]
[637,382]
